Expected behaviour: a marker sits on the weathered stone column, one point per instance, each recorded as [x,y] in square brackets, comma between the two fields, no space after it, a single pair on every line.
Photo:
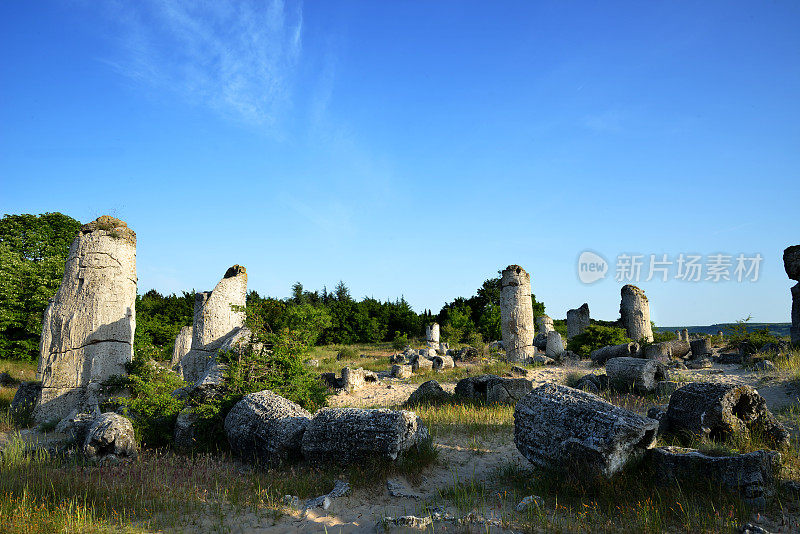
[685,335]
[577,320]
[214,321]
[183,343]
[545,324]
[87,332]
[791,262]
[516,313]
[432,335]
[635,312]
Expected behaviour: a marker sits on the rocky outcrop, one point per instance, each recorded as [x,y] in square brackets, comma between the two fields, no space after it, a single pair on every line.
[635,374]
[110,433]
[718,411]
[218,316]
[577,320]
[266,428]
[429,392]
[493,389]
[750,475]
[634,310]
[557,427]
[516,313]
[88,327]
[602,355]
[348,435]
[791,263]
[183,343]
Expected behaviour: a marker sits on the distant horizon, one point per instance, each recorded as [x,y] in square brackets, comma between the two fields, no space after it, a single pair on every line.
[415,149]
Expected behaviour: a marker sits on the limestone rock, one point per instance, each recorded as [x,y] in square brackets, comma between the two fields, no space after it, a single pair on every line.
[347,435]
[186,430]
[764,365]
[602,355]
[266,428]
[110,433]
[493,389]
[684,335]
[635,374]
[791,262]
[540,341]
[24,402]
[340,489]
[700,347]
[401,371]
[634,310]
[700,363]
[577,320]
[795,328]
[421,364]
[562,428]
[87,331]
[441,363]
[76,425]
[720,410]
[658,351]
[555,345]
[432,334]
[516,313]
[183,343]
[545,324]
[429,392]
[680,349]
[751,475]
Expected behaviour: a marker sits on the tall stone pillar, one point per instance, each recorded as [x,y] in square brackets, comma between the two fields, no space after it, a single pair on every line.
[516,313]
[791,262]
[88,327]
[544,324]
[577,320]
[432,335]
[635,313]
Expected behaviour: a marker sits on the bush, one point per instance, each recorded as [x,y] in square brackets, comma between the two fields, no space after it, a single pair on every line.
[400,341]
[347,353]
[596,337]
[752,340]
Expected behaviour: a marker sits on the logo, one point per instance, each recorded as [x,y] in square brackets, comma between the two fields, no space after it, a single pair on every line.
[591,267]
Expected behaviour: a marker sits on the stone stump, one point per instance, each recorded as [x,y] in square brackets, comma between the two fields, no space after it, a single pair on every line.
[88,327]
[634,309]
[545,324]
[432,335]
[577,320]
[516,313]
[791,263]
[555,345]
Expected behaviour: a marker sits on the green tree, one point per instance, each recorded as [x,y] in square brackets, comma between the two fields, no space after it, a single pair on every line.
[33,250]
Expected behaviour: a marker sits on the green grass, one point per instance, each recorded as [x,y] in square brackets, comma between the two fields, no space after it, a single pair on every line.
[22,371]
[470,418]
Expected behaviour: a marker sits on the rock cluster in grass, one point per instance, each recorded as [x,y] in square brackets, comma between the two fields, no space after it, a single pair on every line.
[88,327]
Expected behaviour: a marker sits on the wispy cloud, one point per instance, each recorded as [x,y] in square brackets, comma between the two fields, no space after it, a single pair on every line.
[239,58]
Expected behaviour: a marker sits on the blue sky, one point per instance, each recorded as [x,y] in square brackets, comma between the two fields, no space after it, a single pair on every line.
[416,148]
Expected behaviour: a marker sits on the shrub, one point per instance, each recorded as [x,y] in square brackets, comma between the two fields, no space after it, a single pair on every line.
[739,334]
[400,341]
[347,353]
[596,337]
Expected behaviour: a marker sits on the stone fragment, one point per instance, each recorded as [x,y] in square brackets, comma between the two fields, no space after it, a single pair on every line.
[680,349]
[24,402]
[340,489]
[440,363]
[635,374]
[531,501]
[700,363]
[750,475]
[658,351]
[717,411]
[794,330]
[76,425]
[791,262]
[602,355]
[493,389]
[348,435]
[555,345]
[684,335]
[110,433]
[466,354]
[88,327]
[398,489]
[421,364]
[558,427]
[729,358]
[429,392]
[540,341]
[183,343]
[764,366]
[700,347]
[401,371]
[516,313]
[577,320]
[432,335]
[634,311]
[266,428]
[545,324]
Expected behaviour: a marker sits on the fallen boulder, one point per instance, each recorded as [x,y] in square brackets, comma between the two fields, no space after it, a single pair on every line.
[717,411]
[441,363]
[429,392]
[348,435]
[493,389]
[264,427]
[635,374]
[110,433]
[602,355]
[658,351]
[558,427]
[24,402]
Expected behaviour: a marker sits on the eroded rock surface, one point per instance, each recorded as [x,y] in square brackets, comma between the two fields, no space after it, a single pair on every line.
[493,389]
[516,313]
[110,433]
[577,320]
[634,310]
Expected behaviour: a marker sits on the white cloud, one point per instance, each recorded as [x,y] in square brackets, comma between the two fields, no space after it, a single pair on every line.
[239,59]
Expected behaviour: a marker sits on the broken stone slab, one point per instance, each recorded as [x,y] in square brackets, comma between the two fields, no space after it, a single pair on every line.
[183,344]
[88,326]
[635,374]
[401,371]
[516,313]
[729,358]
[680,349]
[791,262]
[76,425]
[264,427]
[634,310]
[577,320]
[421,364]
[658,351]
[602,355]
[555,345]
[717,411]
[429,392]
[398,359]
[700,363]
[592,383]
[751,475]
[545,324]
[110,433]
[440,363]
[348,435]
[340,489]
[700,347]
[558,427]
[398,489]
[493,389]
[24,402]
